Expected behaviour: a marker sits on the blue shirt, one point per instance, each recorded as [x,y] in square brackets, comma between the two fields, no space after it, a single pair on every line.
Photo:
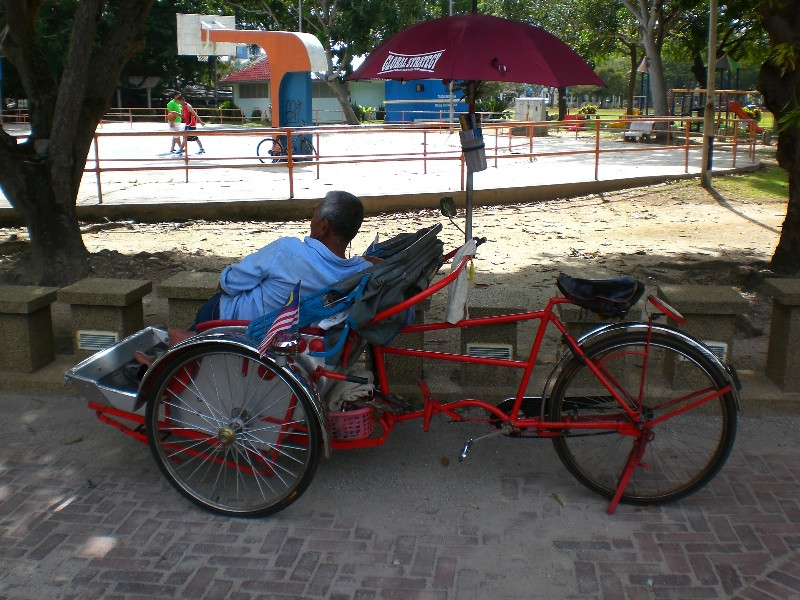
[263,281]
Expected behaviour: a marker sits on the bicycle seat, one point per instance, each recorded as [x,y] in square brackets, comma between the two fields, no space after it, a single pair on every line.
[607,297]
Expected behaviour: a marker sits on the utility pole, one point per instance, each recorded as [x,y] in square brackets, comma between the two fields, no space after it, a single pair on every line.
[710,110]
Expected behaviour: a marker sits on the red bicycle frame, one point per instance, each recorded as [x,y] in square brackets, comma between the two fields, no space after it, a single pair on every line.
[631,424]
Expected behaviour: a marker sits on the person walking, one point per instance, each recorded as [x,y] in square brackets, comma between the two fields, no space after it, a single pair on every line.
[190,120]
[174,110]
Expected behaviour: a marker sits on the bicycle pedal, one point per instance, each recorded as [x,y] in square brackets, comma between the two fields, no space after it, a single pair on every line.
[468,446]
[465,451]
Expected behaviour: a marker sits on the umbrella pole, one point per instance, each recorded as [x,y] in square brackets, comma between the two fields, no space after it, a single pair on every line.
[469,198]
[468,224]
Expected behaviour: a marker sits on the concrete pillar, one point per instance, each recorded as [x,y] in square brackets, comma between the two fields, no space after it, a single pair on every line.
[104,311]
[27,327]
[186,292]
[783,351]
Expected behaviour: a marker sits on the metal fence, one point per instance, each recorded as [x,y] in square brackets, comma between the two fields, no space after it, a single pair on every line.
[592,140]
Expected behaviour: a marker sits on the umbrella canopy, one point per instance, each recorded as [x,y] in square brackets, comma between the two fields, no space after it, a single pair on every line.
[477,47]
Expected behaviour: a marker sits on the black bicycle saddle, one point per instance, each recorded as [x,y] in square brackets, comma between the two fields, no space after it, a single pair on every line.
[612,297]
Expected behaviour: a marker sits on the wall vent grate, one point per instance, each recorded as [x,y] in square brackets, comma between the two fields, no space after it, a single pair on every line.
[96,340]
[484,350]
[719,349]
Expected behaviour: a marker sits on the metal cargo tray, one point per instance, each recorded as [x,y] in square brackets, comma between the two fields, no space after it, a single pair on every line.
[112,376]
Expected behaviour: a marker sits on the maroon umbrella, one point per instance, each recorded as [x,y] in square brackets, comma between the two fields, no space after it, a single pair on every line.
[477,47]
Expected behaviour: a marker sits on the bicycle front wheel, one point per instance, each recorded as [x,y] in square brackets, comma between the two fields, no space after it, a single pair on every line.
[231,431]
[306,148]
[270,150]
[686,405]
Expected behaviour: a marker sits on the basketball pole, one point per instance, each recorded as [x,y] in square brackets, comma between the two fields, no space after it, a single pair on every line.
[709,115]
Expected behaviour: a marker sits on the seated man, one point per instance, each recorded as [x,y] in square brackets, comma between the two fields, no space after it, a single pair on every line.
[262,281]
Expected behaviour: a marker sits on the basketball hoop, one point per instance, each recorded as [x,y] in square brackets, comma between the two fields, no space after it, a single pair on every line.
[202,57]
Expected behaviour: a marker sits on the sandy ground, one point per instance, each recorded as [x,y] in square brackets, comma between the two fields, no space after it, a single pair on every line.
[674,232]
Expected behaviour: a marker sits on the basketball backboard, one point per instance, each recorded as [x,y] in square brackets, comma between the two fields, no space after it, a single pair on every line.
[189,38]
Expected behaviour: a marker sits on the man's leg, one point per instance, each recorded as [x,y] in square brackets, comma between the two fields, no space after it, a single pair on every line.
[174,127]
[209,311]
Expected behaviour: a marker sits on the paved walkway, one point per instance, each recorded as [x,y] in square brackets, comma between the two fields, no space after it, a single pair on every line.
[85,513]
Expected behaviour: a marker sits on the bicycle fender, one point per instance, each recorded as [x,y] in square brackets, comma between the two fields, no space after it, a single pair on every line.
[240,341]
[592,336]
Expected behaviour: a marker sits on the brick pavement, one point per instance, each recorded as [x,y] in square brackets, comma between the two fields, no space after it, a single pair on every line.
[85,513]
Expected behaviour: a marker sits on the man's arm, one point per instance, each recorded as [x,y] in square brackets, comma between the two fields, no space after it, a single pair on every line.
[250,272]
[196,116]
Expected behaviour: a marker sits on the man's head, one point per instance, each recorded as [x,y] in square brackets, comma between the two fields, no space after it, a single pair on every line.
[176,96]
[339,214]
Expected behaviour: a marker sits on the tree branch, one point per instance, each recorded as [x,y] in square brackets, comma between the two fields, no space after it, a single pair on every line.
[72,88]
[23,51]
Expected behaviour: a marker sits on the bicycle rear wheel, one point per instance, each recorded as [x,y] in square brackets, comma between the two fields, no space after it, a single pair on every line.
[674,380]
[270,150]
[231,431]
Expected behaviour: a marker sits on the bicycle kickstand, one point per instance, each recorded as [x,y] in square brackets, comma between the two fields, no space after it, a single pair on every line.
[468,446]
[634,461]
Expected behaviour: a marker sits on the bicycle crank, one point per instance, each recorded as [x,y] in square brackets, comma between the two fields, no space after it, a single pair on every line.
[506,430]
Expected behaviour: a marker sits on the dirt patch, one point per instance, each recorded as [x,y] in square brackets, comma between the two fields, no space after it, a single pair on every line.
[669,233]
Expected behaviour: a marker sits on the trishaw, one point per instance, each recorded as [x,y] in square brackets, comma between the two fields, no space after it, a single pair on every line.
[639,412]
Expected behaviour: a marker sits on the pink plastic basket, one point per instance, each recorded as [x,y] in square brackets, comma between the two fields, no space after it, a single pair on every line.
[351,424]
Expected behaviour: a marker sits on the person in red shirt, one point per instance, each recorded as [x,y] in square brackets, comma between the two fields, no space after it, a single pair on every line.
[190,120]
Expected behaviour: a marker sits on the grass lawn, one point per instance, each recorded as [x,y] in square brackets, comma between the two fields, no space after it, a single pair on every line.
[611,114]
[770,182]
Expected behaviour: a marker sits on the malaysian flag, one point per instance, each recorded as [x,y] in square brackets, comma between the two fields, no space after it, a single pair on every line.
[287,318]
[373,246]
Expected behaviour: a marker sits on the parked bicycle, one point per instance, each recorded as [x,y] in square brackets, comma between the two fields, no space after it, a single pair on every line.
[274,149]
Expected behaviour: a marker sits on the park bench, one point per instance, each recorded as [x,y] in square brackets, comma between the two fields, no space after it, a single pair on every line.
[639,130]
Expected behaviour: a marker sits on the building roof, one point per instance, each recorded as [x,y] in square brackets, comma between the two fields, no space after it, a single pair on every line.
[258,71]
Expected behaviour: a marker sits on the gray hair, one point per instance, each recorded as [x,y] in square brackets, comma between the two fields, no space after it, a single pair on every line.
[344,212]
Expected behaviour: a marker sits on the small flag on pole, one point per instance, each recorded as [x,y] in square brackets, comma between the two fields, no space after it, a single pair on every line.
[286,319]
[371,248]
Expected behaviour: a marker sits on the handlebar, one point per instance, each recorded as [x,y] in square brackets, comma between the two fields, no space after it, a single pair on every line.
[452,253]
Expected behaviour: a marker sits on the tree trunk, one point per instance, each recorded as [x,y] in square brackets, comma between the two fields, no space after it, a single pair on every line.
[46,202]
[699,70]
[58,254]
[41,176]
[779,82]
[632,81]
[655,69]
[341,94]
[648,16]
